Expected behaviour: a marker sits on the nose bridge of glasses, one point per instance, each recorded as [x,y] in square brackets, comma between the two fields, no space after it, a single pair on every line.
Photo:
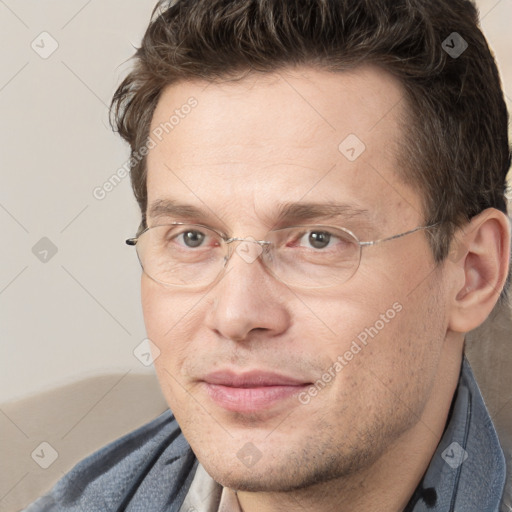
[249,249]
[247,239]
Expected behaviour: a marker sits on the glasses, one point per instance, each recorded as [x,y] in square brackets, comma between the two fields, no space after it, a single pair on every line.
[194,256]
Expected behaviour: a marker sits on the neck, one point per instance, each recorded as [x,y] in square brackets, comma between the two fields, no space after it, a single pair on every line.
[388,485]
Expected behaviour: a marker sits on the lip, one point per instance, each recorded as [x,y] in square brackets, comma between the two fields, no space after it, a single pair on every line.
[252,379]
[251,391]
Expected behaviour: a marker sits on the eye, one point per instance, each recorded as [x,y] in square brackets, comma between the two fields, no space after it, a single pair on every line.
[317,239]
[191,238]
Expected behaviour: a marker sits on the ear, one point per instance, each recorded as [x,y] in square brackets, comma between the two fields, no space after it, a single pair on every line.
[478,266]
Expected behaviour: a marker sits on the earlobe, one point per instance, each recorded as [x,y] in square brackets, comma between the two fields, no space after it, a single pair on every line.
[478,266]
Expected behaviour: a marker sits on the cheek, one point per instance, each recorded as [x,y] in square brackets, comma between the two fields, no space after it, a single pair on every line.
[165,310]
[388,328]
[153,304]
[171,320]
[169,326]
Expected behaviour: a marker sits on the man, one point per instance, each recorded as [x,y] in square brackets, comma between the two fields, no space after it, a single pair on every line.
[322,189]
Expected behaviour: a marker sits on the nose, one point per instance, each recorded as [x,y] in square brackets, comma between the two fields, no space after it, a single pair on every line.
[247,299]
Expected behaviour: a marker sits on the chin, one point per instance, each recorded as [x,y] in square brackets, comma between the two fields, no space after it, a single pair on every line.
[256,481]
[275,476]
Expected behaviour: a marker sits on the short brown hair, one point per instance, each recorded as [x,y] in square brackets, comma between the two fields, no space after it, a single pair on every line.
[456,149]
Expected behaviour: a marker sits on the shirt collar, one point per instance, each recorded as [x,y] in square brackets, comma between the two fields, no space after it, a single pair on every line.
[467,471]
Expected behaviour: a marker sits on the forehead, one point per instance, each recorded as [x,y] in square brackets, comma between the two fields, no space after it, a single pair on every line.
[302,134]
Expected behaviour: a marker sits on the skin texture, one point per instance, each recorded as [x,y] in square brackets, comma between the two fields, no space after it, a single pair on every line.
[364,441]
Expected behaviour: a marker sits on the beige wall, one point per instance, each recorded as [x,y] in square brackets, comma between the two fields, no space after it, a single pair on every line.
[78,313]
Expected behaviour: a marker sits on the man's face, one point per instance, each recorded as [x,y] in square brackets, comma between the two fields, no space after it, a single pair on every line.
[247,149]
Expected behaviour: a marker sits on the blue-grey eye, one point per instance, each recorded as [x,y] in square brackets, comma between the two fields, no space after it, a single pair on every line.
[193,238]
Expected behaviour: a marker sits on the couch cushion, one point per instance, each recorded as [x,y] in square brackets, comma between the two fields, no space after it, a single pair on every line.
[72,421]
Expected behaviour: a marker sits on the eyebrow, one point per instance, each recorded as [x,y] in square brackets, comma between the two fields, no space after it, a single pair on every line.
[308,211]
[170,208]
[286,212]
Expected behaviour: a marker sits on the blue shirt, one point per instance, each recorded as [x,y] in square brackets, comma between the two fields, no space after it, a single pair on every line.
[152,468]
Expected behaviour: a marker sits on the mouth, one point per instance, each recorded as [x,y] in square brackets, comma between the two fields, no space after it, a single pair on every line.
[251,391]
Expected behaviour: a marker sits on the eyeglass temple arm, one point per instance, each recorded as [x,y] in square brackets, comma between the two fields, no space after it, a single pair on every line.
[399,235]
